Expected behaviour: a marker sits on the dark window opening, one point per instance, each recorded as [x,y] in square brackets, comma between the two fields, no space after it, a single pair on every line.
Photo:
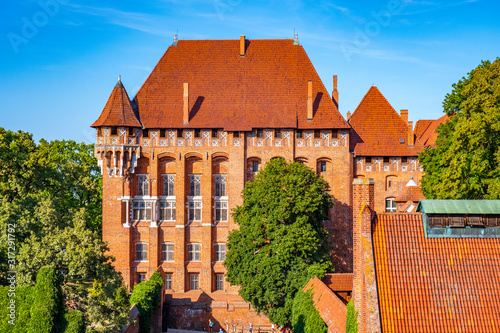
[163,132]
[322,166]
[299,134]
[197,133]
[180,133]
[368,159]
[99,132]
[386,159]
[236,134]
[255,166]
[215,133]
[402,141]
[130,131]
[334,134]
[145,133]
[277,133]
[114,130]
[260,133]
[404,159]
[317,134]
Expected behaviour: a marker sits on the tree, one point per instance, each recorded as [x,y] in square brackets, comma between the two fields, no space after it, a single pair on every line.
[305,317]
[465,164]
[281,243]
[351,325]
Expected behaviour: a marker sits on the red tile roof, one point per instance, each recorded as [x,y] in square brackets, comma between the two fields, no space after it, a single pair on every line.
[421,126]
[330,307]
[338,281]
[377,128]
[118,110]
[410,193]
[268,87]
[428,137]
[435,284]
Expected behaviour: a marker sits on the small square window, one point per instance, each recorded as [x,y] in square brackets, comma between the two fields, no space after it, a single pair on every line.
[402,141]
[141,277]
[197,133]
[145,133]
[404,159]
[114,130]
[386,159]
[334,134]
[390,205]
[299,134]
[130,131]
[368,159]
[260,133]
[277,133]
[317,134]
[168,252]
[194,251]
[163,132]
[236,134]
[215,133]
[180,133]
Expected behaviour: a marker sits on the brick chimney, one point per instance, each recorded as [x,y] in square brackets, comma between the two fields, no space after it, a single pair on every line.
[242,45]
[186,103]
[404,116]
[364,285]
[309,100]
[335,92]
[411,137]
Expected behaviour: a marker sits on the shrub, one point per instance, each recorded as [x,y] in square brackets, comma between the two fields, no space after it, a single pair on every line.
[351,325]
[305,317]
[73,322]
[47,302]
[24,300]
[147,296]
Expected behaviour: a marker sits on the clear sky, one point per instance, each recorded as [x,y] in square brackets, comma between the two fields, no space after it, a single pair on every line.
[60,59]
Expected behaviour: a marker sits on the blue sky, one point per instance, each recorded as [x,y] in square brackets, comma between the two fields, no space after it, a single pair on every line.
[60,58]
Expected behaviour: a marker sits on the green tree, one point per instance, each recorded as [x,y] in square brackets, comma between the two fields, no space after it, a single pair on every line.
[281,243]
[351,325]
[305,317]
[465,164]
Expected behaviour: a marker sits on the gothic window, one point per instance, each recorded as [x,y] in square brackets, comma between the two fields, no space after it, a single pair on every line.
[168,252]
[168,185]
[143,185]
[167,210]
[141,251]
[220,252]
[141,210]
[194,250]
[195,185]
[220,185]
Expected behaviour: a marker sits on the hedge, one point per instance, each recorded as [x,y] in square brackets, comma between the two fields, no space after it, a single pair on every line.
[23,301]
[147,296]
[47,302]
[73,322]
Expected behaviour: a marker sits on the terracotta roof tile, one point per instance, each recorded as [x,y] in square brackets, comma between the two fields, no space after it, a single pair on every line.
[338,281]
[377,128]
[428,137]
[410,193]
[118,110]
[268,87]
[421,126]
[435,284]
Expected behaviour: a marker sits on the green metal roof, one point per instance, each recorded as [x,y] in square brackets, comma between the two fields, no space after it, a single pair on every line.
[459,206]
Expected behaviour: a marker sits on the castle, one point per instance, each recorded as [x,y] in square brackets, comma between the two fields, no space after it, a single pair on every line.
[176,158]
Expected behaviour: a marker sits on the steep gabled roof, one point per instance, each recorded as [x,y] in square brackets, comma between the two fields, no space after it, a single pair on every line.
[429,136]
[434,284]
[421,126]
[268,87]
[118,110]
[377,128]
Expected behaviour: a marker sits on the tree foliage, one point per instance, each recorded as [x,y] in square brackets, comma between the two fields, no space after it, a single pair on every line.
[351,325]
[147,296]
[305,317]
[281,242]
[465,164]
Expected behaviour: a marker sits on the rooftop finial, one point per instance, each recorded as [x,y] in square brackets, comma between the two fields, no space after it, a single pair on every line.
[296,39]
[175,40]
[119,78]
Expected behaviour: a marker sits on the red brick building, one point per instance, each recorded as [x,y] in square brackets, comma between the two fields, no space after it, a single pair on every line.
[176,158]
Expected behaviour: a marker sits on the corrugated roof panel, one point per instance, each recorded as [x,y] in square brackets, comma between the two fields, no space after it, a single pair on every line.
[459,206]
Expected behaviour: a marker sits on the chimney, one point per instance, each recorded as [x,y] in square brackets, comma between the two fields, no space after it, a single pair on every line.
[186,103]
[242,46]
[348,115]
[404,116]
[411,137]
[309,100]
[335,93]
[364,286]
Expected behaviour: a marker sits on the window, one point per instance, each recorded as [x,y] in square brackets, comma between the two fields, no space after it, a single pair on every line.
[114,130]
[141,251]
[220,185]
[167,210]
[277,133]
[368,159]
[215,133]
[168,252]
[404,159]
[194,210]
[219,281]
[236,134]
[130,131]
[168,185]
[255,166]
[195,185]
[143,185]
[141,277]
[168,281]
[299,134]
[334,134]
[194,281]
[197,133]
[141,210]
[317,134]
[220,252]
[194,251]
[390,205]
[180,133]
[322,166]
[163,133]
[386,159]
[260,133]
[402,141]
[145,133]
[221,210]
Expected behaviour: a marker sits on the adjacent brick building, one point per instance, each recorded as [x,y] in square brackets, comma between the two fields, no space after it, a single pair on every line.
[176,158]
